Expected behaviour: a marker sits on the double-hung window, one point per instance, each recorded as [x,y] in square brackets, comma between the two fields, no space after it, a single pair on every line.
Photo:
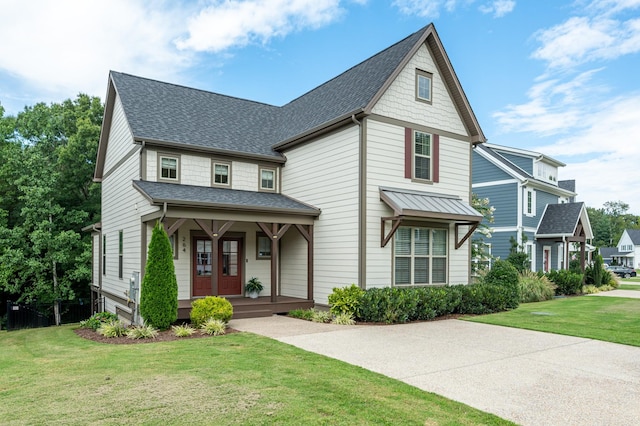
[221,174]
[420,256]
[422,156]
[267,179]
[169,167]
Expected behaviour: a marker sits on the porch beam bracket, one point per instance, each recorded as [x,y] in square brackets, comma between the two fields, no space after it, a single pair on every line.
[173,228]
[474,226]
[395,224]
[303,232]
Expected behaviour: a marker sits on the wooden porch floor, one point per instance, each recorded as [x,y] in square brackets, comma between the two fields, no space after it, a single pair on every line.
[245,307]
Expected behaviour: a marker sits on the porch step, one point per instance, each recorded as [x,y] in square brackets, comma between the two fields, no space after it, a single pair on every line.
[256,313]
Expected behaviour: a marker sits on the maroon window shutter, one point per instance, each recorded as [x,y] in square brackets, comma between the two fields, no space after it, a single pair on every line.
[436,158]
[408,151]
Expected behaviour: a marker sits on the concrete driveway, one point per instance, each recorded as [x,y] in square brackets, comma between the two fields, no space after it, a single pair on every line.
[529,377]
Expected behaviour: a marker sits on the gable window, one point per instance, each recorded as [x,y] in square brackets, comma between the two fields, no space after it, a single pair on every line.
[268,179]
[420,256]
[263,246]
[221,174]
[169,167]
[530,202]
[423,86]
[421,155]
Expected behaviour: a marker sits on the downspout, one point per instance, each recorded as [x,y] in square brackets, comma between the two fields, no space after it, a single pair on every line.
[362,205]
[520,212]
[100,248]
[565,252]
[141,164]
[164,212]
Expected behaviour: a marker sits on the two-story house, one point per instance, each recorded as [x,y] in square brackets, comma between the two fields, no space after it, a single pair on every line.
[533,208]
[364,179]
[626,253]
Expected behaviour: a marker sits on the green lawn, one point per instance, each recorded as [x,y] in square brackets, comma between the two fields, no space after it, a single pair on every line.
[612,319]
[629,287]
[51,376]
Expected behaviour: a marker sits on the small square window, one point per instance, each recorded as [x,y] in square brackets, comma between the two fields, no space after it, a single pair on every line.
[221,174]
[267,179]
[423,86]
[169,168]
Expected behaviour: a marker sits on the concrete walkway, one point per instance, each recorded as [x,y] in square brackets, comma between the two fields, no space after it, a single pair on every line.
[529,377]
[631,294]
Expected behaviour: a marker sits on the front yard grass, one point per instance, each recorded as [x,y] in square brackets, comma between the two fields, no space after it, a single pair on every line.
[52,376]
[611,319]
[629,287]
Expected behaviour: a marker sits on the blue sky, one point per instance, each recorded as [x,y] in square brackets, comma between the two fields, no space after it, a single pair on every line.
[558,77]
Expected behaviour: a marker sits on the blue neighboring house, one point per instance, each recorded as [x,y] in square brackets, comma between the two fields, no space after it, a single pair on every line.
[532,207]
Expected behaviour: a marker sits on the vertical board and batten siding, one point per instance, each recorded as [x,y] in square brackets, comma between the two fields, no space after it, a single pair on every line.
[385,167]
[399,100]
[122,207]
[324,173]
[485,171]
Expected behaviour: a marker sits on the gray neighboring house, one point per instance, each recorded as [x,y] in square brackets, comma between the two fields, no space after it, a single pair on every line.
[365,179]
[532,206]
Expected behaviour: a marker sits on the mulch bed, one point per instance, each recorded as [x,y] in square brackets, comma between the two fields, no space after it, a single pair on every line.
[163,336]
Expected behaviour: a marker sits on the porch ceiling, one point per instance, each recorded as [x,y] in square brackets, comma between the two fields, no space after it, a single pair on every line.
[219,198]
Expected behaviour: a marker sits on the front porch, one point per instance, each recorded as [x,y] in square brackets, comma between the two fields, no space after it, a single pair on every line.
[245,307]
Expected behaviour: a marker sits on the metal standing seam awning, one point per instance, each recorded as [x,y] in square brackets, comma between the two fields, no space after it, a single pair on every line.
[408,204]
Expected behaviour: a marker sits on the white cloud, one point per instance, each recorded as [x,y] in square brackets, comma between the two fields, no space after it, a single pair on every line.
[426,8]
[498,8]
[583,39]
[235,23]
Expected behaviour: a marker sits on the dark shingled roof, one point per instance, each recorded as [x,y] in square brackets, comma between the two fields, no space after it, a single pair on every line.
[608,252]
[560,219]
[194,196]
[634,234]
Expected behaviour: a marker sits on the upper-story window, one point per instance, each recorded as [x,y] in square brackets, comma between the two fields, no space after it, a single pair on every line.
[221,174]
[422,155]
[169,167]
[267,179]
[423,86]
[530,202]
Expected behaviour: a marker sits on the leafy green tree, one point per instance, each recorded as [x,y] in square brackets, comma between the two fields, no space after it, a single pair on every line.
[517,256]
[479,247]
[159,293]
[47,194]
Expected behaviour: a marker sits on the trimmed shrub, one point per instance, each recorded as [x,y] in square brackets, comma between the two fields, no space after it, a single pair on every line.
[567,282]
[345,300]
[389,305]
[535,288]
[159,293]
[210,307]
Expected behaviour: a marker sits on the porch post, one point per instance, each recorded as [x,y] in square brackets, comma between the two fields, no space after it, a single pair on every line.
[310,264]
[274,262]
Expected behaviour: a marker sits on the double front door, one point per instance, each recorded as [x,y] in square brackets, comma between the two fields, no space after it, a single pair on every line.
[229,270]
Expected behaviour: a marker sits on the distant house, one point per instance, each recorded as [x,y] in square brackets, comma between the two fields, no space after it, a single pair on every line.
[364,179]
[626,253]
[533,209]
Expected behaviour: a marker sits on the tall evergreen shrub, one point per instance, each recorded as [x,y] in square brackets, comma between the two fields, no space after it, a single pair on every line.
[159,293]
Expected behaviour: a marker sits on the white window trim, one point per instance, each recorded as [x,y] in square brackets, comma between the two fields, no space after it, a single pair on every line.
[213,174]
[413,157]
[424,74]
[171,157]
[275,179]
[525,207]
[532,255]
[430,258]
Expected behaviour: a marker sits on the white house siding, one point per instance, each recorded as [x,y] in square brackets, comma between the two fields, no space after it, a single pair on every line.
[251,266]
[195,170]
[324,173]
[122,207]
[385,167]
[244,176]
[293,265]
[399,99]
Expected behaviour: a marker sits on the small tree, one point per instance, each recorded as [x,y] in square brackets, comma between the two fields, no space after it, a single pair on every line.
[159,293]
[480,254]
[517,256]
